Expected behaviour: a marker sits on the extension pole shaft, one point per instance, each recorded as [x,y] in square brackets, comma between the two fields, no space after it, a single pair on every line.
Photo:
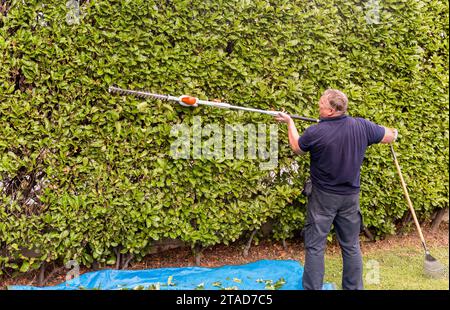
[273,113]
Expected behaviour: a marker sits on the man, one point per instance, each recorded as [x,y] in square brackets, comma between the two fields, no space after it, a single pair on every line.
[337,145]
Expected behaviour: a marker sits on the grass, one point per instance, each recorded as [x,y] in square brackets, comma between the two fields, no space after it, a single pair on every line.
[400,268]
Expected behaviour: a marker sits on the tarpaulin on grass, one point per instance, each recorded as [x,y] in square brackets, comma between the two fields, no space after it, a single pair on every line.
[260,275]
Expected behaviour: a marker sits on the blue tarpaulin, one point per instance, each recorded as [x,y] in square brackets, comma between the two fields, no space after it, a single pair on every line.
[260,275]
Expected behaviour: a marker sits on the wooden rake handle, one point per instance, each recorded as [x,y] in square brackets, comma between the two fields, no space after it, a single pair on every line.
[405,191]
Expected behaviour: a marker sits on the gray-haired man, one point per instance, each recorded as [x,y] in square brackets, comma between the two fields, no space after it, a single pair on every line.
[337,145]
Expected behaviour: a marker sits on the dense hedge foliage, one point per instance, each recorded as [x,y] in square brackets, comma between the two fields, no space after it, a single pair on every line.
[85,174]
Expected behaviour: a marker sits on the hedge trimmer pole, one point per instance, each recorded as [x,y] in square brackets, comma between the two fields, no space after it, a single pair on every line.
[189,101]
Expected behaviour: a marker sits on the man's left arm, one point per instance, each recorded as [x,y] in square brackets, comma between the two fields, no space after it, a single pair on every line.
[379,134]
[390,135]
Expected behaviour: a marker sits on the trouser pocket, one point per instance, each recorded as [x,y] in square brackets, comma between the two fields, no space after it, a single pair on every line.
[307,187]
[361,226]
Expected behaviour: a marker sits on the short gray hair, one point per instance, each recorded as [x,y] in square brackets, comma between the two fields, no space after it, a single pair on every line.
[337,100]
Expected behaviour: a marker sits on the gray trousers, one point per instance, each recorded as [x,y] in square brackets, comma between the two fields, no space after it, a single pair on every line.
[343,212]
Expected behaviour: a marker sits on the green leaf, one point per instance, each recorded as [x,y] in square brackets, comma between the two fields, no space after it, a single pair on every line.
[25,266]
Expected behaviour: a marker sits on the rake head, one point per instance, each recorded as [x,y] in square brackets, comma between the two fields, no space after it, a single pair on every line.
[433,268]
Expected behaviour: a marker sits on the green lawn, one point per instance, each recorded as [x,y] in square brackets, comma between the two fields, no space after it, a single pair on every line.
[399,269]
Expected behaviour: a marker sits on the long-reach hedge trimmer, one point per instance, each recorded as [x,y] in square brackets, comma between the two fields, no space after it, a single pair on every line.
[189,101]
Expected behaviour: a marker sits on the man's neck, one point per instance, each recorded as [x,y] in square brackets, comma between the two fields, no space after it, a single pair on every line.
[334,116]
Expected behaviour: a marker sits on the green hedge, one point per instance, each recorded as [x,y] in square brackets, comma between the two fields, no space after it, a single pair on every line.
[85,174]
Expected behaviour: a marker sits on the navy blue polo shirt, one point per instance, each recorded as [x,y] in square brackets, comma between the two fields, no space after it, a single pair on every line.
[337,146]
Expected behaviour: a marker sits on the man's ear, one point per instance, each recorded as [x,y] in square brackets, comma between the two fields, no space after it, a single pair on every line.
[331,111]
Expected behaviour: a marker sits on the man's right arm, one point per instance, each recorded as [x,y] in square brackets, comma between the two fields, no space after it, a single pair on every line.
[294,138]
[292,132]
[390,135]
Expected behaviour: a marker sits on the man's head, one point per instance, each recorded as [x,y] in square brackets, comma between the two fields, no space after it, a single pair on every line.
[332,103]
